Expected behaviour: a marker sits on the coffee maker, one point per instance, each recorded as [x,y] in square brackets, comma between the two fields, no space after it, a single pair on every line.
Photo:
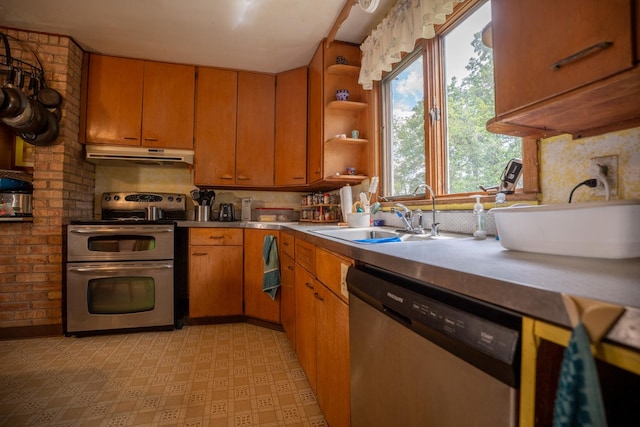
[226,212]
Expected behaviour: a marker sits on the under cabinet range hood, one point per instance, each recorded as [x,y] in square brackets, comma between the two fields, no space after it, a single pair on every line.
[114,154]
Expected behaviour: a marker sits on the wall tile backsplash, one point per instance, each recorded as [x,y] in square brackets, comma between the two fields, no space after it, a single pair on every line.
[564,162]
[163,179]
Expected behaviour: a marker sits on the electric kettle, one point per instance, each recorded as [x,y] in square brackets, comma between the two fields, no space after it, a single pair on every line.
[227,212]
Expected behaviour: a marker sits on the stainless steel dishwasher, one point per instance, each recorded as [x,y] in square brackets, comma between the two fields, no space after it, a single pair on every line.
[424,356]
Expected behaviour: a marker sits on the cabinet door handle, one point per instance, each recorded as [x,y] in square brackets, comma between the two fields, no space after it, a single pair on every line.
[315,294]
[130,138]
[578,55]
[290,267]
[150,139]
[243,178]
[308,285]
[226,177]
[298,177]
[199,254]
[216,237]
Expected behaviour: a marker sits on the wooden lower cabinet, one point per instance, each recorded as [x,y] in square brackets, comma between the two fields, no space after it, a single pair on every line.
[215,272]
[543,347]
[322,329]
[305,287]
[258,304]
[288,298]
[332,357]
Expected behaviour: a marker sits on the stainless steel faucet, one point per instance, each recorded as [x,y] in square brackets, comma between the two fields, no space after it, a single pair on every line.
[434,224]
[405,217]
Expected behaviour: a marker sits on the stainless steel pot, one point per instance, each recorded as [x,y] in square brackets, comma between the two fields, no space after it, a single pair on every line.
[153,213]
[16,204]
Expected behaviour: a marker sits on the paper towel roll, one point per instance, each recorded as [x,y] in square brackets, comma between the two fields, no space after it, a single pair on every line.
[346,201]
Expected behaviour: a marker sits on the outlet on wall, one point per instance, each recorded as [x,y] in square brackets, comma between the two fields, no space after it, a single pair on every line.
[611,165]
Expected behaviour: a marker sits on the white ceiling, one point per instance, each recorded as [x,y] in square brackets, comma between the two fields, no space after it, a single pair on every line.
[259,35]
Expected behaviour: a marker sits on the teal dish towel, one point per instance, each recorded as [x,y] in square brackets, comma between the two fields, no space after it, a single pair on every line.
[579,400]
[271,278]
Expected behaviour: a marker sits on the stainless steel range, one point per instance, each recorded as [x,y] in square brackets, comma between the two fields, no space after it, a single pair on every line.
[139,206]
[120,270]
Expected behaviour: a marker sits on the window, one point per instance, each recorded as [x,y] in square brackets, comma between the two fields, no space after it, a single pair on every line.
[447,147]
[403,93]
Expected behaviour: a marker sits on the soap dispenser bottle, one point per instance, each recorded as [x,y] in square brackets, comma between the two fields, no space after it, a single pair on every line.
[480,232]
[501,202]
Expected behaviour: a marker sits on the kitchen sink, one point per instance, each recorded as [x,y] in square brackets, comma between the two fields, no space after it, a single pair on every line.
[370,235]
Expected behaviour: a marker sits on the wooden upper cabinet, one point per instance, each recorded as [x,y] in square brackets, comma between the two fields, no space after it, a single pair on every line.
[291,128]
[546,48]
[315,117]
[256,137]
[114,100]
[168,105]
[215,127]
[135,102]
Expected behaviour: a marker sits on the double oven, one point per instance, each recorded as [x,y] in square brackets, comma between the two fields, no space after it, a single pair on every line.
[120,270]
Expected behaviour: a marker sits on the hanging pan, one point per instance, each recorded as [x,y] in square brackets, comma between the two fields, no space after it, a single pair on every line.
[38,121]
[15,101]
[45,136]
[49,97]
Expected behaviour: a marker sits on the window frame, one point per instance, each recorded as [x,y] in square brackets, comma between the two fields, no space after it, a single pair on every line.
[432,51]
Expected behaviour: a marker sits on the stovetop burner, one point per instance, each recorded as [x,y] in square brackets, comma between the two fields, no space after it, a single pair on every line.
[120,206]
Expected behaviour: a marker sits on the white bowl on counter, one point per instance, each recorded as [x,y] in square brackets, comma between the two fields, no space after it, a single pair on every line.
[593,229]
[359,219]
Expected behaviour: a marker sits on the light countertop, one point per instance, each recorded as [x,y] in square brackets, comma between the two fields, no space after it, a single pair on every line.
[528,283]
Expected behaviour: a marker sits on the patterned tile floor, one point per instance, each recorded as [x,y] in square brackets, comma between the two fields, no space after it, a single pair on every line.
[211,375]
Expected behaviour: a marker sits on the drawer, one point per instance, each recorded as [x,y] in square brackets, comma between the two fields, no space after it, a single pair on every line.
[331,270]
[215,236]
[287,244]
[306,255]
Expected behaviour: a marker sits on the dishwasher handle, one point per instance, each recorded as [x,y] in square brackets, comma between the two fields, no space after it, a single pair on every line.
[395,315]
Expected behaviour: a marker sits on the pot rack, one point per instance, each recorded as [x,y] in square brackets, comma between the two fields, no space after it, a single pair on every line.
[24,68]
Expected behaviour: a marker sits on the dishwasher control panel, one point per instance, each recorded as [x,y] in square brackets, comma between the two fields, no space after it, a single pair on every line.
[489,337]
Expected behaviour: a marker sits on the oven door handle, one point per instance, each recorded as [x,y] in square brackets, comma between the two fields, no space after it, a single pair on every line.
[119,230]
[120,267]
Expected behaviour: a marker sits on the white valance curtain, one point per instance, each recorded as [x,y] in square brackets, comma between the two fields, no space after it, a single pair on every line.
[406,22]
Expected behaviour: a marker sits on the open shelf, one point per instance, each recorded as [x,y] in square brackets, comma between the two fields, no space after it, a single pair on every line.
[347,105]
[350,178]
[343,69]
[353,141]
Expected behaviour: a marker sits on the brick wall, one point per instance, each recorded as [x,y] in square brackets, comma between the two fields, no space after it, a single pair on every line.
[31,254]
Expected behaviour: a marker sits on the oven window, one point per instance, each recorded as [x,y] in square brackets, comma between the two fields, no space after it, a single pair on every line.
[121,295]
[121,243]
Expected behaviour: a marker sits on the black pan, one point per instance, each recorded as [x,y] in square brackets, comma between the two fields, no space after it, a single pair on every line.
[20,106]
[49,97]
[13,104]
[37,122]
[47,135]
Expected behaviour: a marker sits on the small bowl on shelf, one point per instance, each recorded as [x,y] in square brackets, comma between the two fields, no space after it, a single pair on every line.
[342,94]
